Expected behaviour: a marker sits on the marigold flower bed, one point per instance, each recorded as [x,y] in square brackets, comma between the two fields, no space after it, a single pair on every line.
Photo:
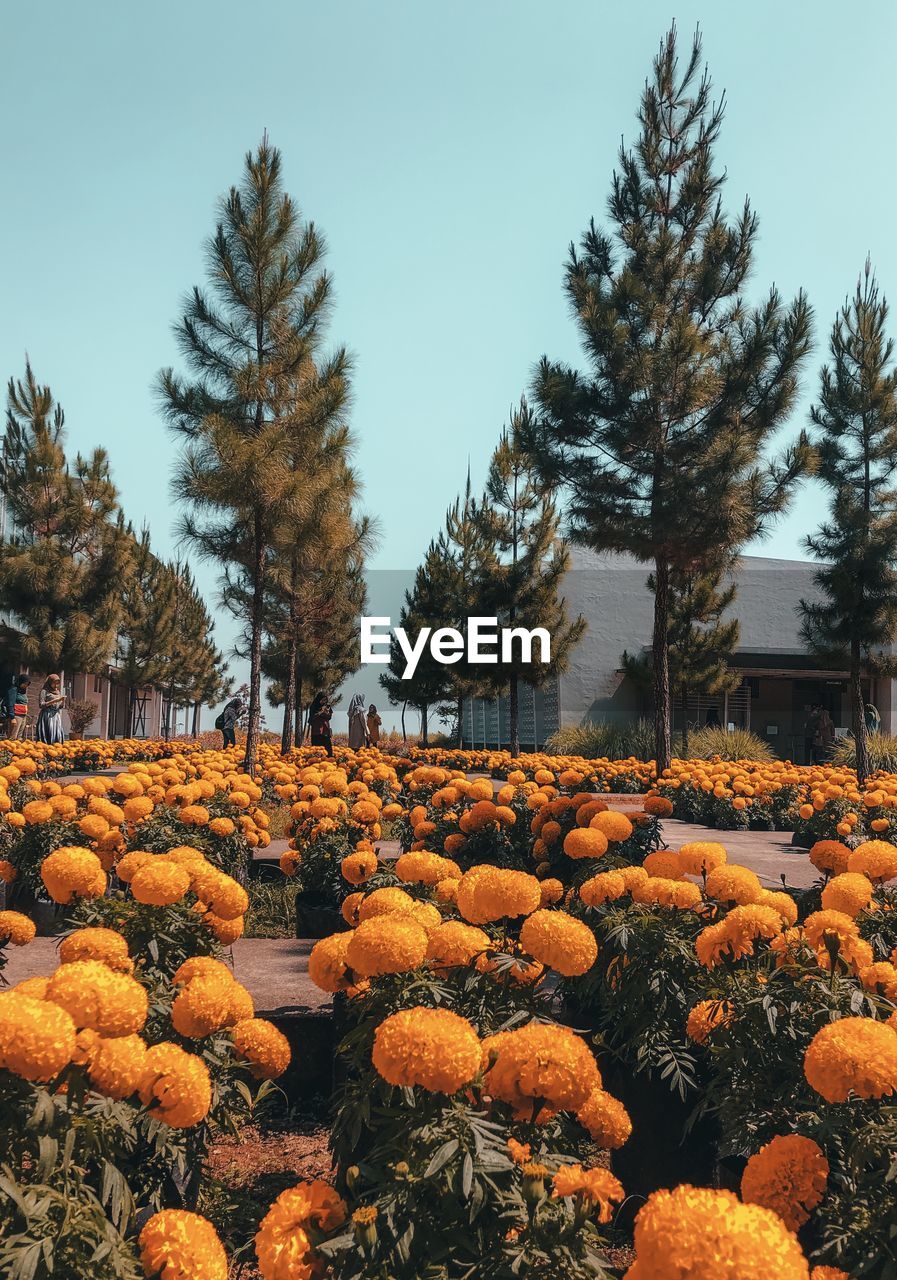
[513,995]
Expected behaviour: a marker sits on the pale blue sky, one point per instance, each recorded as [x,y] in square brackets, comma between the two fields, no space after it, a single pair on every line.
[449,152]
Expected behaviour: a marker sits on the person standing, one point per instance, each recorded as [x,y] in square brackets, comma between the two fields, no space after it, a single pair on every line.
[17,706]
[227,722]
[358,730]
[319,714]
[374,723]
[49,721]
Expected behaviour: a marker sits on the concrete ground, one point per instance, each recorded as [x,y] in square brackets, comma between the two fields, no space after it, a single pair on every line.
[274,971]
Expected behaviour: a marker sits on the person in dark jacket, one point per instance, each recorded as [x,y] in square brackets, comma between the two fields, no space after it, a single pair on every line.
[319,714]
[227,722]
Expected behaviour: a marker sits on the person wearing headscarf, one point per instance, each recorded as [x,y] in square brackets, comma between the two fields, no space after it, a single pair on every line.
[374,723]
[358,729]
[49,721]
[319,714]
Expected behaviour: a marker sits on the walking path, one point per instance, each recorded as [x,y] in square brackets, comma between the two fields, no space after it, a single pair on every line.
[273,970]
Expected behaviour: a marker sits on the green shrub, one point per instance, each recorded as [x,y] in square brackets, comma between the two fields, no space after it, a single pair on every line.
[594,741]
[882,752]
[728,744]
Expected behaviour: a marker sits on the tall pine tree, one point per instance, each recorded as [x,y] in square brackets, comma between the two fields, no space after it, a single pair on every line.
[261,324]
[429,603]
[855,436]
[66,553]
[660,444]
[468,556]
[147,628]
[521,523]
[701,639]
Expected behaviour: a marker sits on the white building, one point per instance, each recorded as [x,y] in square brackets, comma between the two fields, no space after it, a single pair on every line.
[781,680]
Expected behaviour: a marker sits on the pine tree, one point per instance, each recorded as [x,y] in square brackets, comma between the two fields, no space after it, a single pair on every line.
[67,549]
[260,326]
[521,523]
[148,623]
[195,673]
[468,557]
[318,594]
[660,445]
[429,603]
[700,638]
[855,437]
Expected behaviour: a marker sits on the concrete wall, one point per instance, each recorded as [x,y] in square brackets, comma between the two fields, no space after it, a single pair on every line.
[610,592]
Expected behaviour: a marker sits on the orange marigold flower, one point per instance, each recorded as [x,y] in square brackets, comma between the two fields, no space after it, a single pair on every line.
[178,1245]
[606,1120]
[487,893]
[541,1063]
[597,1187]
[705,1016]
[16,928]
[607,886]
[112,1004]
[359,867]
[559,941]
[433,1048]
[283,1243]
[852,1056]
[876,859]
[37,1040]
[328,964]
[454,944]
[585,842]
[709,1235]
[850,893]
[881,978]
[830,855]
[263,1046]
[613,824]
[175,1086]
[386,944]
[732,883]
[664,863]
[115,1067]
[159,883]
[788,1175]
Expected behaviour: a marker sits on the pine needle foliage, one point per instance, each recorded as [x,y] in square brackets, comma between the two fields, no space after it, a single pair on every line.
[661,443]
[67,550]
[854,620]
[260,323]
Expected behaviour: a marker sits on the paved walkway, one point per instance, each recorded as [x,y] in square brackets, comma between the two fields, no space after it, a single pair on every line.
[274,971]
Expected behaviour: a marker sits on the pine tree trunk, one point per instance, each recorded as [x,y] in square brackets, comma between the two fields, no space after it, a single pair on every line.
[661,648]
[513,715]
[404,734]
[257,622]
[298,718]
[859,719]
[684,697]
[129,719]
[289,696]
[196,707]
[423,725]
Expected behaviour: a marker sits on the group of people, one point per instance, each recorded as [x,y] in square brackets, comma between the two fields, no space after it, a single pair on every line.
[364,725]
[14,709]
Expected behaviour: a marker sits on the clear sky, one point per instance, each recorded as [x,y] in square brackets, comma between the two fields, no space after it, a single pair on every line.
[449,152]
